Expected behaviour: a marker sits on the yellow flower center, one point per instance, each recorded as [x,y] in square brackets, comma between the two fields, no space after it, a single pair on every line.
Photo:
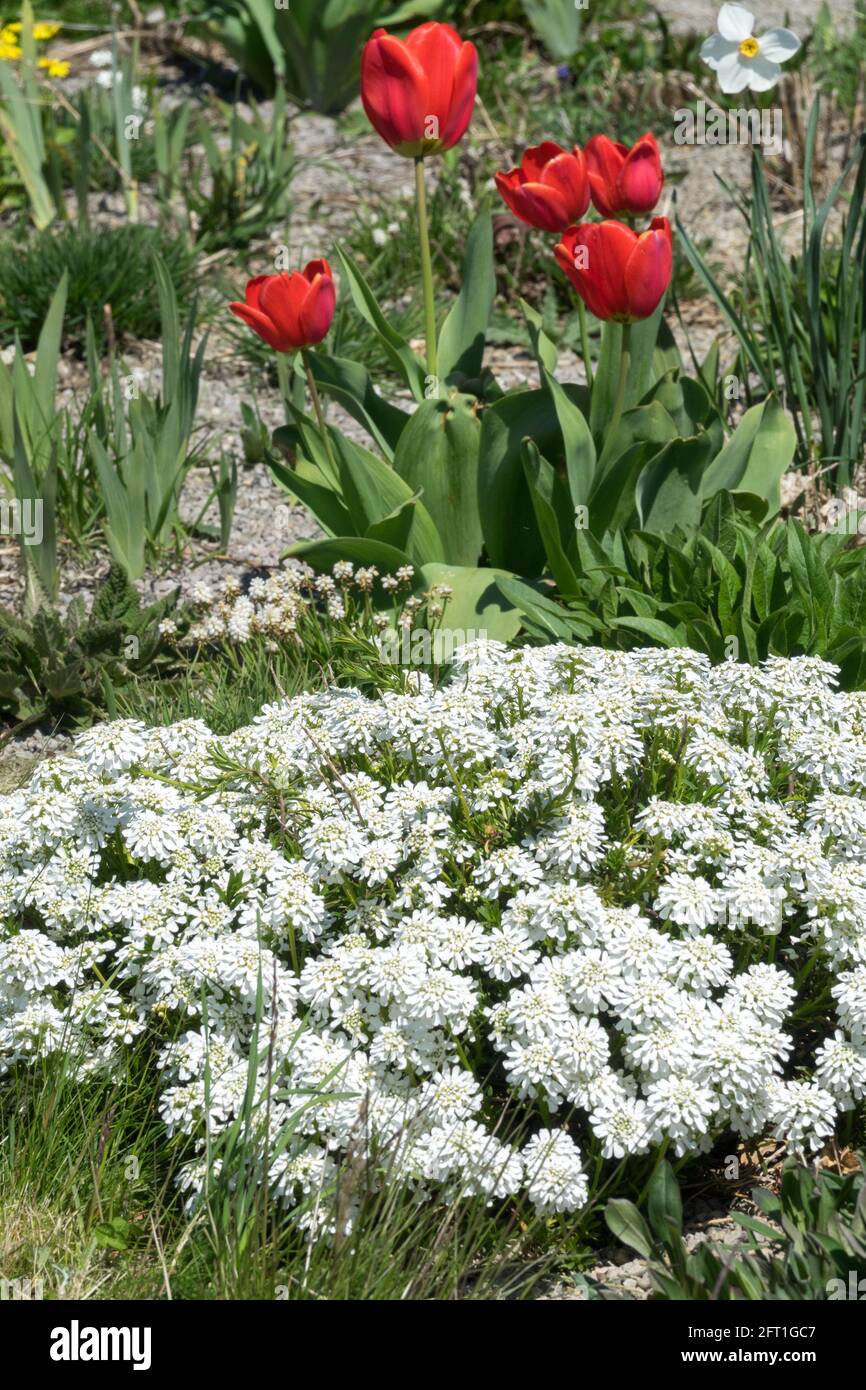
[750,48]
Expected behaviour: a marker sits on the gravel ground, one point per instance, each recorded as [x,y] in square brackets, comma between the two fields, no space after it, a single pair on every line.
[699,16]
[619,1274]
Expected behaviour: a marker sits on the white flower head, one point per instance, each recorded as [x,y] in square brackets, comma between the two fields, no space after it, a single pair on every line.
[741,60]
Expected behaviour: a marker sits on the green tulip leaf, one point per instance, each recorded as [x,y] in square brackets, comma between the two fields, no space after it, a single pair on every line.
[759,451]
[553,514]
[668,491]
[437,457]
[351,384]
[402,358]
[464,332]
[580,457]
[478,605]
[511,535]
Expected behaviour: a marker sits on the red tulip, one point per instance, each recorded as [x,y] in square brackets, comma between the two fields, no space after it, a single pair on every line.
[290,311]
[618,274]
[623,179]
[419,92]
[550,190]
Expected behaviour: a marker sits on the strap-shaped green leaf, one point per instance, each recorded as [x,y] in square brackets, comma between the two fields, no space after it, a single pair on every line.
[464,332]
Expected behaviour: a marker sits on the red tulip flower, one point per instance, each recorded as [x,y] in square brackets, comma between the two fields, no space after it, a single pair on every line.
[622,179]
[550,190]
[419,92]
[290,311]
[618,273]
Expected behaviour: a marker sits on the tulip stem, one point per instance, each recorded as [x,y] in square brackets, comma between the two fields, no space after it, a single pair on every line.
[426,268]
[317,406]
[584,341]
[619,399]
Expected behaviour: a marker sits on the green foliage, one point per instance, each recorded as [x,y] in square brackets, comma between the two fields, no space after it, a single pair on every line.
[558,25]
[110,266]
[837,56]
[68,667]
[21,125]
[733,588]
[240,192]
[30,438]
[313,47]
[476,477]
[116,458]
[142,475]
[816,1241]
[801,320]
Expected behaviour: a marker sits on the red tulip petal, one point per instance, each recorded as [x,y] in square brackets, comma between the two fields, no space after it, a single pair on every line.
[601,282]
[539,205]
[282,299]
[508,179]
[260,324]
[641,179]
[436,47]
[317,311]
[649,268]
[463,97]
[393,90]
[537,157]
[567,175]
[604,160]
[566,254]
[319,267]
[254,289]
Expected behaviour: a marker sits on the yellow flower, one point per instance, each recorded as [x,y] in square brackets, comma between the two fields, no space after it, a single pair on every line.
[8,49]
[44,30]
[12,28]
[55,67]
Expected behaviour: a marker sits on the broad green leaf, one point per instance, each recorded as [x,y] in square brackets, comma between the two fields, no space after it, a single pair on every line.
[464,332]
[323,502]
[558,24]
[612,504]
[409,528]
[544,349]
[759,451]
[403,359]
[654,628]
[627,1224]
[510,533]
[351,384]
[478,604]
[553,620]
[665,1207]
[543,488]
[125,526]
[668,491]
[360,550]
[577,439]
[437,455]
[48,351]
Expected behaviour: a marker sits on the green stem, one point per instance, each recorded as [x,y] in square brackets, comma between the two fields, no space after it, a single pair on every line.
[584,341]
[320,414]
[426,268]
[619,401]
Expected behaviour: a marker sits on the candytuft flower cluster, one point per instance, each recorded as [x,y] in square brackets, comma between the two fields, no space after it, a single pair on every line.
[623,893]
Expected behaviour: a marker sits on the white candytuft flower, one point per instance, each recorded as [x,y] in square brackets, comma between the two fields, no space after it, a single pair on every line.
[568,902]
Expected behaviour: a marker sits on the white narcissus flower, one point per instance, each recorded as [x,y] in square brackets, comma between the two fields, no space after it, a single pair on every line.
[741,60]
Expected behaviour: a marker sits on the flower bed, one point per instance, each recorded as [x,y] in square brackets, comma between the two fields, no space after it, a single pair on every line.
[569,907]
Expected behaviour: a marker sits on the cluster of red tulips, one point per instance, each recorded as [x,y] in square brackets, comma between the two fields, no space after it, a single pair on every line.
[418,94]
